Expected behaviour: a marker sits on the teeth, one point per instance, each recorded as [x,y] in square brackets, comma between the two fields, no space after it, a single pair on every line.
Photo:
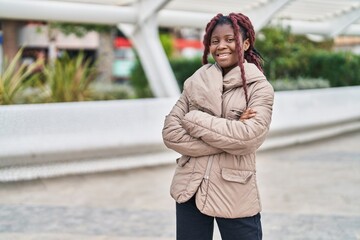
[223,54]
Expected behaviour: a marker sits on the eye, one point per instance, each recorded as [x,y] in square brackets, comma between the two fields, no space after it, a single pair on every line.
[214,41]
[230,40]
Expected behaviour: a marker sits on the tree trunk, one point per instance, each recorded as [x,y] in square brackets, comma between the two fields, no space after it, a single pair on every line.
[105,57]
[52,49]
[10,29]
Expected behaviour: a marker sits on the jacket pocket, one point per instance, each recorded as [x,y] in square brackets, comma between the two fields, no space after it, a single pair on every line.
[182,161]
[184,183]
[239,176]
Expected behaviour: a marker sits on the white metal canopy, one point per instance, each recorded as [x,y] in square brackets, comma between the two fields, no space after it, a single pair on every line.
[140,19]
[305,16]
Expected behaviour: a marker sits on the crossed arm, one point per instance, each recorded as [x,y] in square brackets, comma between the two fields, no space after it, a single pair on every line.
[231,136]
[176,137]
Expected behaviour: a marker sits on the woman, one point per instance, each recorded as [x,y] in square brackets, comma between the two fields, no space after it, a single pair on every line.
[220,120]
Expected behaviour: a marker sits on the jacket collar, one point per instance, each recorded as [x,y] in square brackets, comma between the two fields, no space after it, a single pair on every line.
[233,78]
[207,85]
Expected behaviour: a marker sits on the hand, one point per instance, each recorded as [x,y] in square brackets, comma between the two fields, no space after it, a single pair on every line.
[247,114]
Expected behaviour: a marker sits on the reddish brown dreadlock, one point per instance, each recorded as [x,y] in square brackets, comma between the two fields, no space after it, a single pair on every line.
[241,25]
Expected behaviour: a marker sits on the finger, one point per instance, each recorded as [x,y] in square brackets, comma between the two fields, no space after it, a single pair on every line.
[250,116]
[245,117]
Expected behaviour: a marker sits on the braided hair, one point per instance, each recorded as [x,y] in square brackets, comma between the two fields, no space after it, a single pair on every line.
[241,25]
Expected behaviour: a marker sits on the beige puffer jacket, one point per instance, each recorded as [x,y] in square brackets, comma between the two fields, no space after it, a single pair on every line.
[218,150]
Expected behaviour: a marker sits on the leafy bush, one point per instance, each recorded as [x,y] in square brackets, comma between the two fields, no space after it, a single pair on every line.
[139,81]
[183,68]
[293,56]
[31,95]
[341,68]
[68,79]
[167,43]
[16,77]
[286,54]
[299,84]
[110,91]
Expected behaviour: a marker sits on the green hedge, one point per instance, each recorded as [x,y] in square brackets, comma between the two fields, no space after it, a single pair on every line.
[299,84]
[287,56]
[183,68]
[340,68]
[290,56]
[139,81]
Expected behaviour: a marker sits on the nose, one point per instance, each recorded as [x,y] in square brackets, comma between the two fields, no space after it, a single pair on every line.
[222,44]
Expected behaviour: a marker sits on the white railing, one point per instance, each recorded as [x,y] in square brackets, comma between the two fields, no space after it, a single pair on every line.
[115,132]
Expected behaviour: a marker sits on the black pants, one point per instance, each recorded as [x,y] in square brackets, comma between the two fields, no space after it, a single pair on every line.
[191,224]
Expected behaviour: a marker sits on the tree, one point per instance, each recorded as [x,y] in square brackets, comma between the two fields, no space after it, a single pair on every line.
[105,52]
[10,29]
[284,52]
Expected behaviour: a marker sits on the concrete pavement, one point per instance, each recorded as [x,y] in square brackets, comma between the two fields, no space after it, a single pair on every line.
[309,192]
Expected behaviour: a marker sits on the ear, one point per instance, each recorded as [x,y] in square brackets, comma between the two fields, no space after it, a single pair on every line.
[246,45]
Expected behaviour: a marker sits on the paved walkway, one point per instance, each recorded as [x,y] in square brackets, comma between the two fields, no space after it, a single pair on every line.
[309,192]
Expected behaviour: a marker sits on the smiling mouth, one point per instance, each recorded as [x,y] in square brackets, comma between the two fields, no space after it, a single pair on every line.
[223,55]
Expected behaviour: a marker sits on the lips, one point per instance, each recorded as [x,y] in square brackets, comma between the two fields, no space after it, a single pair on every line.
[223,55]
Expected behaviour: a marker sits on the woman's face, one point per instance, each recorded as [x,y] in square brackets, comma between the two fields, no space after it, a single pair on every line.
[223,47]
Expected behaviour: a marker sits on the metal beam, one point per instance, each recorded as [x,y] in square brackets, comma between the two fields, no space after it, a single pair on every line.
[149,8]
[145,37]
[171,18]
[354,29]
[62,11]
[261,16]
[344,21]
[110,14]
[142,49]
[316,28]
[103,14]
[153,58]
[304,27]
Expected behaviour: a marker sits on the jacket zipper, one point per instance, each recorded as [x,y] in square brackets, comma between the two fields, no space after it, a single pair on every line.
[211,159]
[206,177]
[208,168]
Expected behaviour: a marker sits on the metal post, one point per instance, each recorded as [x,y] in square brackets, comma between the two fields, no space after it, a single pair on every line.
[145,37]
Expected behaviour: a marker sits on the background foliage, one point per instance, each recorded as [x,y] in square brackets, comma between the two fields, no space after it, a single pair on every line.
[79,29]
[294,56]
[340,68]
[68,79]
[290,62]
[65,80]
[182,67]
[16,77]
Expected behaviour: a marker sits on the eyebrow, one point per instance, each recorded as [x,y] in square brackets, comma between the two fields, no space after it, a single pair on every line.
[228,35]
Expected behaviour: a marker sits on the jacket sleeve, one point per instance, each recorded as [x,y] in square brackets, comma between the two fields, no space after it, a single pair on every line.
[233,136]
[175,136]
